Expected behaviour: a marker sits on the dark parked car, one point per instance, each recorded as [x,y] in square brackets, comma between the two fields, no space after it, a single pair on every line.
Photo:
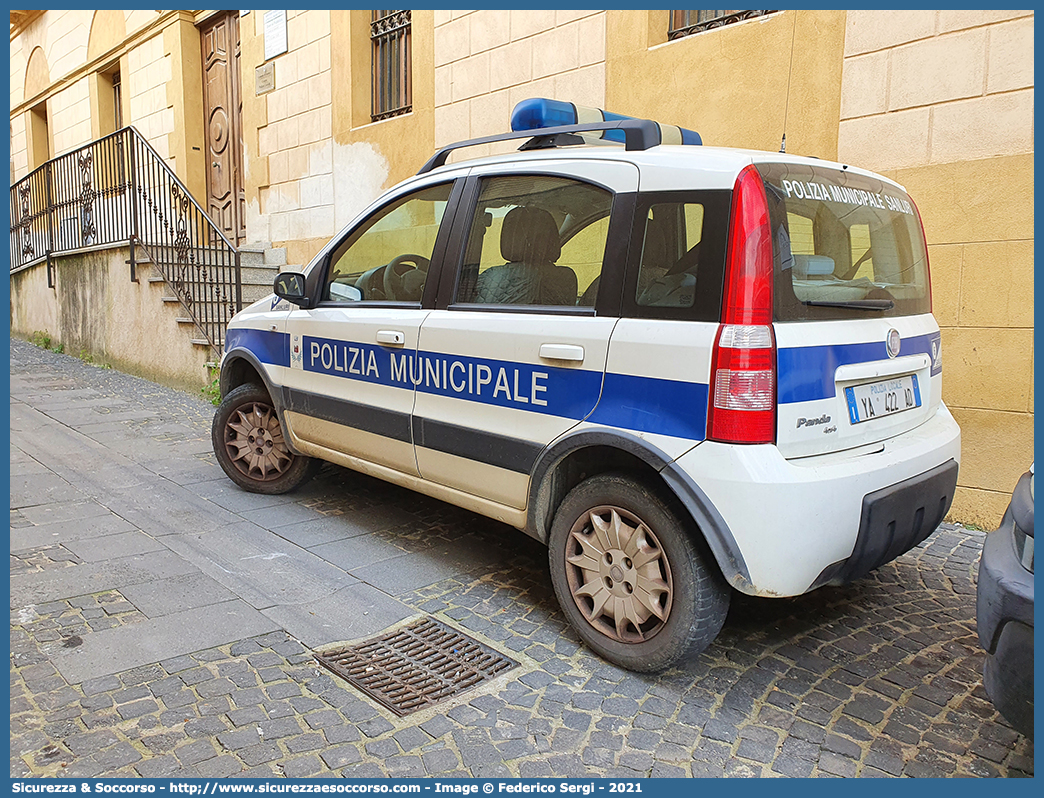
[1005,609]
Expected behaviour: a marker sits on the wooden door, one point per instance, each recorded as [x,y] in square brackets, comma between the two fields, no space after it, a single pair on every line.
[223,105]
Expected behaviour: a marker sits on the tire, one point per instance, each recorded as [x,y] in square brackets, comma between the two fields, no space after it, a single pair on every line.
[652,614]
[249,444]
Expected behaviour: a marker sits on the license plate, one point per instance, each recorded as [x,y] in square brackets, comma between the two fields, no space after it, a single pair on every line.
[885,398]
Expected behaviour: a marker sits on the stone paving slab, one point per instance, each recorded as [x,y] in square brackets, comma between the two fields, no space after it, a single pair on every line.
[187,470]
[35,489]
[86,578]
[112,651]
[407,572]
[70,511]
[877,679]
[113,546]
[165,508]
[260,567]
[352,613]
[68,530]
[176,593]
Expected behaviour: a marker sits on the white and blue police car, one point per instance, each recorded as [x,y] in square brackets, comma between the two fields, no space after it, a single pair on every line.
[688,370]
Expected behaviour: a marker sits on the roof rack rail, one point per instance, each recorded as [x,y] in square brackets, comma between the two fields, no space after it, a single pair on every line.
[639,134]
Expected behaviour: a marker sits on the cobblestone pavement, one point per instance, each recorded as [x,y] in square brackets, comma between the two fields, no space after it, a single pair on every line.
[880,678]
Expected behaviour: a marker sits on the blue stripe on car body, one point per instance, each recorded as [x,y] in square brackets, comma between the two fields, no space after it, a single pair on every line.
[627,401]
[267,346]
[806,373]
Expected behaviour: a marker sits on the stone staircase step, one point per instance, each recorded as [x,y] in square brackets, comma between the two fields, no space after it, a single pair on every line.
[262,256]
[250,275]
[258,275]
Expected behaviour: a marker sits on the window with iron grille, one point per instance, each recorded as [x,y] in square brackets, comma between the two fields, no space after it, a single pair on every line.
[684,23]
[392,80]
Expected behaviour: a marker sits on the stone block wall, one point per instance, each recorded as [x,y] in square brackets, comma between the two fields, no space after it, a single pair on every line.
[61,41]
[942,101]
[488,61]
[294,132]
[150,73]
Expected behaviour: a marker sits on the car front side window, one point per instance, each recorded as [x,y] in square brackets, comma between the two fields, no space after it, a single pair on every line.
[386,258]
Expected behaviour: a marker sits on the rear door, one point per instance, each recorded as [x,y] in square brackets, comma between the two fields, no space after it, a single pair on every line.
[858,351]
[513,354]
[656,382]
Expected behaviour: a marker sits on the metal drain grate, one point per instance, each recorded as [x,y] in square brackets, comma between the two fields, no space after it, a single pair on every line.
[416,666]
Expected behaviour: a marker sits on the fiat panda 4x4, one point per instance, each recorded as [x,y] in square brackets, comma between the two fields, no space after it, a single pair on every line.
[688,370]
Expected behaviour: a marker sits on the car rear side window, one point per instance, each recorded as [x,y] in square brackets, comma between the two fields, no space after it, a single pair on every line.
[677,256]
[845,245]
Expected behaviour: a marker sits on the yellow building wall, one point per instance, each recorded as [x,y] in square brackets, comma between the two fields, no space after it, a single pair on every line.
[146,85]
[371,156]
[741,85]
[314,158]
[942,102]
[154,75]
[488,61]
[69,117]
[67,37]
[289,174]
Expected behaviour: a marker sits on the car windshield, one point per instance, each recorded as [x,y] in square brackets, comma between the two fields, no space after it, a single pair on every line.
[845,245]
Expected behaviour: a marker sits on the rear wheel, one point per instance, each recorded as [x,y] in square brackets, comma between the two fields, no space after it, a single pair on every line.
[631,576]
[249,444]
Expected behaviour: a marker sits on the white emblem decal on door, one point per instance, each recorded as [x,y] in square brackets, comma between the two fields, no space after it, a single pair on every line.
[296,355]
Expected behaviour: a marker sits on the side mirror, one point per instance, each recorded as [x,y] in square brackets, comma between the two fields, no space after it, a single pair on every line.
[291,287]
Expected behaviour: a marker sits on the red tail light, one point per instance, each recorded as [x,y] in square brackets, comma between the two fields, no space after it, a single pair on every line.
[927,265]
[742,406]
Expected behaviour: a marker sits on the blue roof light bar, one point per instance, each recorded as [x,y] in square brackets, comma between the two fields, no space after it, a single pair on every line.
[538,113]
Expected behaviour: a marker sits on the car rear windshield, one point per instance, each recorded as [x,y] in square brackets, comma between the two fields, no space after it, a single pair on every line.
[845,245]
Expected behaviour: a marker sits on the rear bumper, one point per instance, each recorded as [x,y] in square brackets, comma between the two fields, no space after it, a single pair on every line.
[793,520]
[894,520]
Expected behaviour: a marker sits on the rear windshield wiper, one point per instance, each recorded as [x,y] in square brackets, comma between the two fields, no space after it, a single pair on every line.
[858,304]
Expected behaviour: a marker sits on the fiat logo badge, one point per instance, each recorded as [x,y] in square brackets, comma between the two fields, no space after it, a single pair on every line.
[892,342]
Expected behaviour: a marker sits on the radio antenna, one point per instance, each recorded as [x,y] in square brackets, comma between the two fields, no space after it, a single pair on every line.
[790,76]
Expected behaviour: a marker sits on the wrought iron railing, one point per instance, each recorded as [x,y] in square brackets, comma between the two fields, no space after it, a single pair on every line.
[684,23]
[118,191]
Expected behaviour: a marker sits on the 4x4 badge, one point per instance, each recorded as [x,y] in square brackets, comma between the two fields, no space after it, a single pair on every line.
[892,342]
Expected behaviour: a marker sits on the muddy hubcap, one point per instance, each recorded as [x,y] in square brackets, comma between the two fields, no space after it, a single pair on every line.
[254,441]
[618,574]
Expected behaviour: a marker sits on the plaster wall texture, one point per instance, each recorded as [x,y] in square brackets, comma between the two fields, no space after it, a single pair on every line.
[94,309]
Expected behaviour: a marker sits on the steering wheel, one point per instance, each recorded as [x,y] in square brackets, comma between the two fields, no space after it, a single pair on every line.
[396,271]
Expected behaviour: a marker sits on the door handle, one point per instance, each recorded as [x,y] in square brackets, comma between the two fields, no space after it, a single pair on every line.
[391,337]
[562,352]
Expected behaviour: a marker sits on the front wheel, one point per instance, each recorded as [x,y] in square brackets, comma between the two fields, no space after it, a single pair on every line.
[632,577]
[249,444]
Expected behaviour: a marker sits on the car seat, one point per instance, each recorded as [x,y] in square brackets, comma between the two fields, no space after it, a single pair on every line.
[530,244]
[673,283]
